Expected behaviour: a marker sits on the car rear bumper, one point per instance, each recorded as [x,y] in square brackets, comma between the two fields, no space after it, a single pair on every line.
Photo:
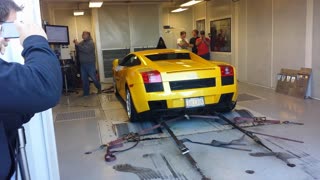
[156,113]
[168,99]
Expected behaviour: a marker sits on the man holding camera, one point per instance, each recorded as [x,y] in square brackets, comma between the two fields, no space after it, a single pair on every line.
[203,45]
[25,89]
[87,58]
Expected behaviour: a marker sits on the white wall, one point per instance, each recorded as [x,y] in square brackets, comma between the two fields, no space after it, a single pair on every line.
[272,36]
[316,50]
[267,35]
[76,24]
[144,25]
[44,11]
[180,22]
[242,50]
[62,14]
[275,34]
[114,26]
[128,26]
[289,35]
[259,39]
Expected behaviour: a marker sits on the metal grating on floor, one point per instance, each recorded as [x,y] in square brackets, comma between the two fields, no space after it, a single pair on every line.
[76,115]
[247,97]
[127,127]
[78,101]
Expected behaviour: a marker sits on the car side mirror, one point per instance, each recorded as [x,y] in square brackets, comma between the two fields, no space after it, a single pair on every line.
[116,62]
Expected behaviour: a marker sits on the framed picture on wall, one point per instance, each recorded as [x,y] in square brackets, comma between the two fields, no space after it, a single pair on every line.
[220,32]
[201,25]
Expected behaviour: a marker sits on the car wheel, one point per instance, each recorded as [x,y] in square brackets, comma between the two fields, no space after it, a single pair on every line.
[229,107]
[131,111]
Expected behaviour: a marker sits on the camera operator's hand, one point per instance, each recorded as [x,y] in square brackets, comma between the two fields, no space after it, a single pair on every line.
[26,30]
[3,45]
[75,41]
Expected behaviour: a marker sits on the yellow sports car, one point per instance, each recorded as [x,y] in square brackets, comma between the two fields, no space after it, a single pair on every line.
[171,82]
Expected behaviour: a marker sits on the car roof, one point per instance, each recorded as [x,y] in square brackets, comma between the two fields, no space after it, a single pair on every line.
[159,51]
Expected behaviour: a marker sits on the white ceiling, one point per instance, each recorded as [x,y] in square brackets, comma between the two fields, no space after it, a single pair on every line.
[164,3]
[114,1]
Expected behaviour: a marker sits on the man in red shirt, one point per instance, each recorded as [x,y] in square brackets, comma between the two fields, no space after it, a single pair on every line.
[203,44]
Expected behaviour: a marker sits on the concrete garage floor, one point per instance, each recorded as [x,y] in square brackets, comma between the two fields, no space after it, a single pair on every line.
[83,123]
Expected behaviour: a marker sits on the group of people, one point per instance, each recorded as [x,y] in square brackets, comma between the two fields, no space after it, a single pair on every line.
[199,44]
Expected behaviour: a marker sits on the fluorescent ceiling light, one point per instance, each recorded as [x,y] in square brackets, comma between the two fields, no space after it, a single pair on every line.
[95,4]
[78,13]
[179,10]
[190,3]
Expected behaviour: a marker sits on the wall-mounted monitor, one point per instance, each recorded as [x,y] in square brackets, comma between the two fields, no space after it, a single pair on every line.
[57,34]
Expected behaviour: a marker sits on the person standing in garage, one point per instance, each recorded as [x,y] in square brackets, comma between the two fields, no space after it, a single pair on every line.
[195,36]
[203,44]
[182,42]
[86,53]
[25,89]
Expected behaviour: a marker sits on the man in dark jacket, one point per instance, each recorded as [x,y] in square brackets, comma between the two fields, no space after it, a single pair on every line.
[25,89]
[87,58]
[195,36]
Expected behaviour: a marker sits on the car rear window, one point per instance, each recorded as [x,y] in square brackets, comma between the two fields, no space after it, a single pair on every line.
[169,56]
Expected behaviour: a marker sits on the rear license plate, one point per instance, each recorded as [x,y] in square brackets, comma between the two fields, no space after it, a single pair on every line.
[194,102]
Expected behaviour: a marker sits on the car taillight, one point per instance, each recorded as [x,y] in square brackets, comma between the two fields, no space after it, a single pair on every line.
[151,77]
[226,70]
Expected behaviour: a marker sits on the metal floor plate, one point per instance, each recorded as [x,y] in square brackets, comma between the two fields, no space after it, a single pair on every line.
[117,125]
[80,101]
[78,115]
[125,128]
[247,97]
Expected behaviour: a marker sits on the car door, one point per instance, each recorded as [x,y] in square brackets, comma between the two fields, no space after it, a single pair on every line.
[119,74]
[127,63]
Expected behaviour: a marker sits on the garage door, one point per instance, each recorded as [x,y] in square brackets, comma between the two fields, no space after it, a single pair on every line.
[125,28]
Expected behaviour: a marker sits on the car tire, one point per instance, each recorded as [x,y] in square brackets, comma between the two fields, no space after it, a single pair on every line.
[131,110]
[229,107]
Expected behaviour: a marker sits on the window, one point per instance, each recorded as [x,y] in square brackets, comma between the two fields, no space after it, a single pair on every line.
[169,56]
[220,31]
[130,60]
[201,25]
[109,56]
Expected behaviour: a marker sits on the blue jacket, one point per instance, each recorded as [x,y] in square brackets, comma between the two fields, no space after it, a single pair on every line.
[25,90]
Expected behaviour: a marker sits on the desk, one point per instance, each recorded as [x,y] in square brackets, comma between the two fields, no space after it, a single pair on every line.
[69,74]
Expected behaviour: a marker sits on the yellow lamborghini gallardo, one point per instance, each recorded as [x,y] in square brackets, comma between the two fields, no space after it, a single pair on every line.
[171,82]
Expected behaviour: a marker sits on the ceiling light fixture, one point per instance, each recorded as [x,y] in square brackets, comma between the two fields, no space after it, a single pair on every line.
[78,12]
[190,3]
[179,10]
[95,4]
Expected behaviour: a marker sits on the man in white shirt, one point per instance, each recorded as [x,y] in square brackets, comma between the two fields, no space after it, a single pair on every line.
[182,42]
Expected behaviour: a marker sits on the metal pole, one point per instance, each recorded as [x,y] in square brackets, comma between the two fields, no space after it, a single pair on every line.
[65,81]
[22,155]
